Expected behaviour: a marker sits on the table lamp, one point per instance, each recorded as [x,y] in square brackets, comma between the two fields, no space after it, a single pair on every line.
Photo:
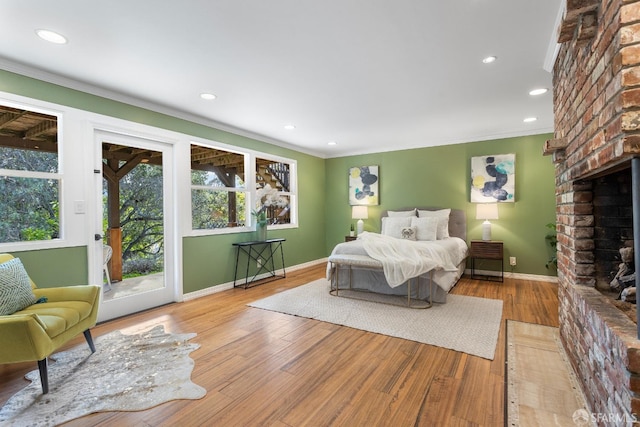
[359,213]
[486,211]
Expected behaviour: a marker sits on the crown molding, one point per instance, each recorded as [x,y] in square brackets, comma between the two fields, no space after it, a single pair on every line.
[46,76]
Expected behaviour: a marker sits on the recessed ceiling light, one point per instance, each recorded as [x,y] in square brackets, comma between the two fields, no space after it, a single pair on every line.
[207,96]
[51,36]
[539,91]
[332,143]
[489,59]
[289,127]
[530,119]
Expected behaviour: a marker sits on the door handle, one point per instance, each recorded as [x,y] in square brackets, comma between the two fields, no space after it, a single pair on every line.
[97,237]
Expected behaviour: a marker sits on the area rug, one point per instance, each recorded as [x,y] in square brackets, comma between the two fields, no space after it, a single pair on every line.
[542,389]
[467,324]
[126,373]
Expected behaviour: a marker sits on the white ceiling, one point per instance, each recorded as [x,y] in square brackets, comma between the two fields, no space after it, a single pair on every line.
[371,75]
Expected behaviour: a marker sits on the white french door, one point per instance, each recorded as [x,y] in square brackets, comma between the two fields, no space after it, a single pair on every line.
[135,222]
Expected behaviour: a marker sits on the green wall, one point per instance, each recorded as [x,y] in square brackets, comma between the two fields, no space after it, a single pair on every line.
[207,260]
[60,267]
[439,177]
[211,259]
[435,176]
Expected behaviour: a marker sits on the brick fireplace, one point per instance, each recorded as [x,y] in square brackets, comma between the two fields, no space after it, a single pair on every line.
[596,143]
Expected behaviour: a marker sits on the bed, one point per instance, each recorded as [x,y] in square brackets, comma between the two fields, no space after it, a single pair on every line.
[420,253]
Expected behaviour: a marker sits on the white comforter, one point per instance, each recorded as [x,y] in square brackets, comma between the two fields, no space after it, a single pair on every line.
[406,259]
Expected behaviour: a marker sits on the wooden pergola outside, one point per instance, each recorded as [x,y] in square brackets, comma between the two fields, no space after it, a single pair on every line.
[28,130]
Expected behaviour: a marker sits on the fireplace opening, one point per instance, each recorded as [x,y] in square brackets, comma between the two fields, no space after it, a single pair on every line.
[613,238]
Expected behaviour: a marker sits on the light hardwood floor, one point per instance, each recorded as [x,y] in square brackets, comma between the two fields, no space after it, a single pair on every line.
[266,368]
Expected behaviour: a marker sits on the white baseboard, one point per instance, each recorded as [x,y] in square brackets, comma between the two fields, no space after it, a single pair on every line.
[512,275]
[229,285]
[533,277]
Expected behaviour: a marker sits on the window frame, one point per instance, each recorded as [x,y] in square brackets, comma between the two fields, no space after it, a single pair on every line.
[63,234]
[250,189]
[245,190]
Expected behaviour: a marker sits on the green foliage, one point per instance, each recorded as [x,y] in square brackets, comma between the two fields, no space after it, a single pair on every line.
[210,207]
[552,240]
[141,217]
[29,207]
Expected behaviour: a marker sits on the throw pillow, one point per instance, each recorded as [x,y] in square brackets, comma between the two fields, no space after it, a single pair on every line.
[393,226]
[426,228]
[15,287]
[443,221]
[392,214]
[408,233]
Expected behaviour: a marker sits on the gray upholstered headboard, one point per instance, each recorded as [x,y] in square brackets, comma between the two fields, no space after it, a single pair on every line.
[457,220]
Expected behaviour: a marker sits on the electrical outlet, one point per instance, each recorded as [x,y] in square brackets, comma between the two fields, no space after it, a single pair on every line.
[259,262]
[512,260]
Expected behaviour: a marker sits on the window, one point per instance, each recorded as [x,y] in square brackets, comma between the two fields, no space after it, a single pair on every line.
[30,182]
[223,183]
[218,190]
[274,195]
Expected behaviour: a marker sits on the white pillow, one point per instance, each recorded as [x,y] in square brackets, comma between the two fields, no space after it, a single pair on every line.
[393,226]
[393,214]
[443,221]
[408,233]
[15,287]
[426,228]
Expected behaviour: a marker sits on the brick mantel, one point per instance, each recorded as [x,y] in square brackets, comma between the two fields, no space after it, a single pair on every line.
[597,132]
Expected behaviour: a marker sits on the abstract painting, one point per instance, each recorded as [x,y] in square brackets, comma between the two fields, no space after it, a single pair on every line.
[493,178]
[363,185]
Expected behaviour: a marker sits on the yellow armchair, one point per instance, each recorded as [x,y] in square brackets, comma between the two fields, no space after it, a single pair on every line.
[34,333]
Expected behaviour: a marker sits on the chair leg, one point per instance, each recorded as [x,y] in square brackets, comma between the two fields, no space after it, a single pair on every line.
[106,272]
[87,336]
[44,377]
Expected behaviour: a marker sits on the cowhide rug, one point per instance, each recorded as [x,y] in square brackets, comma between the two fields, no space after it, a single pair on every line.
[126,373]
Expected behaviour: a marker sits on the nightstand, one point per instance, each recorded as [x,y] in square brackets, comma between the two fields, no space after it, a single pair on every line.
[487,249]
[349,238]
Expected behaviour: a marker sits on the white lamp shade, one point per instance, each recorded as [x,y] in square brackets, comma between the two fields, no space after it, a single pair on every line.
[487,211]
[359,212]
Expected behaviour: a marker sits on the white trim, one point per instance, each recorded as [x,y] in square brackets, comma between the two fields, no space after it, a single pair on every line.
[532,277]
[30,174]
[554,46]
[512,275]
[70,185]
[172,289]
[250,158]
[229,285]
[36,73]
[444,142]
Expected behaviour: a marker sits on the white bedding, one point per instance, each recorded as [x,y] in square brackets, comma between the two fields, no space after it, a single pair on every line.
[405,259]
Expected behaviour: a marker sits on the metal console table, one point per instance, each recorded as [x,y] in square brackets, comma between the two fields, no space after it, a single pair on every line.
[263,252]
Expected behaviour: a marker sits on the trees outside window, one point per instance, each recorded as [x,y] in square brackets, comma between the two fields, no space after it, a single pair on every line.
[29,176]
[221,187]
[218,190]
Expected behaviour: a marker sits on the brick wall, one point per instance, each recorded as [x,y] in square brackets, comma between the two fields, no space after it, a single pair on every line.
[597,131]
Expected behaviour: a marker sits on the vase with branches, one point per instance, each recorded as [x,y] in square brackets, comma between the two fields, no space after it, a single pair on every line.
[267,197]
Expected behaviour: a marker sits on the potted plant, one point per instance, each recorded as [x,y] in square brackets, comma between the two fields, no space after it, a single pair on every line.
[552,239]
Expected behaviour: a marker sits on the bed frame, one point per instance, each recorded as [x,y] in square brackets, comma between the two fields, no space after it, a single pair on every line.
[348,264]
